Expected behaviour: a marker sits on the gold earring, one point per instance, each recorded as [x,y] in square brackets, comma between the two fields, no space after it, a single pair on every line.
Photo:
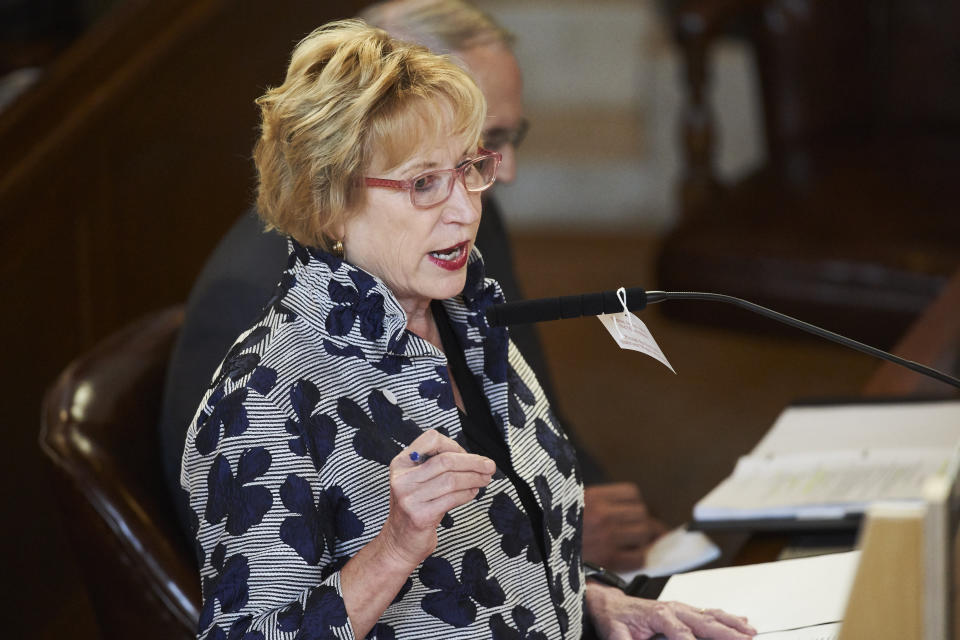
[337,249]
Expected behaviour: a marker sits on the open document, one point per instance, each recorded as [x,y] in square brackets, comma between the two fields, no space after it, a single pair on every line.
[829,462]
[674,552]
[800,599]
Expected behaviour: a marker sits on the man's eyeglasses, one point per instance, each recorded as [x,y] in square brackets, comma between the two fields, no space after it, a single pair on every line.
[500,137]
[434,187]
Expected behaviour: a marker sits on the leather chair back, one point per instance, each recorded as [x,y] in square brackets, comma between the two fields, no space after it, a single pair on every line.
[99,430]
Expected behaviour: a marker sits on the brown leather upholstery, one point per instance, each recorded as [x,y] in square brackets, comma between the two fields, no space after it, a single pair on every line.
[99,430]
[851,223]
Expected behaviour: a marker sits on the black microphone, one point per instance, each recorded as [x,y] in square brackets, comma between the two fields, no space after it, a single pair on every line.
[542,309]
[594,304]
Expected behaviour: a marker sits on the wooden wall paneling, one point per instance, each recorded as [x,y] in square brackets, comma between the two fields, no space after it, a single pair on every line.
[120,171]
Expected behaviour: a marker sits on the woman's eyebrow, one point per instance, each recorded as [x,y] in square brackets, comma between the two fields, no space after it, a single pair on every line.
[415,166]
[419,165]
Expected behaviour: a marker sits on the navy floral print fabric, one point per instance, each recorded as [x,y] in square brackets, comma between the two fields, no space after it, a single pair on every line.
[286,463]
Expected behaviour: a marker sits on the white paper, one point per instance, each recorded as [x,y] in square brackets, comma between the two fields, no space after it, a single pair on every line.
[630,332]
[774,596]
[676,551]
[862,426]
[819,632]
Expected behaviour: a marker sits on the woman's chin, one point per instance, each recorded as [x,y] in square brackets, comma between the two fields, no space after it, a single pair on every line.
[449,285]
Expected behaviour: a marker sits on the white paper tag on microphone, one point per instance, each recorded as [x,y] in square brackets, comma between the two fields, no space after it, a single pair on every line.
[630,332]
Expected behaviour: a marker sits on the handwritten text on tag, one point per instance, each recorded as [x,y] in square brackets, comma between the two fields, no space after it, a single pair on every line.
[630,332]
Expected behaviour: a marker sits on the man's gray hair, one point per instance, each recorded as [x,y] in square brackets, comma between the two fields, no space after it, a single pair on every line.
[444,26]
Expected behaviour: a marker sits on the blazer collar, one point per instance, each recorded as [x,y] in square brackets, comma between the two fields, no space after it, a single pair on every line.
[354,307]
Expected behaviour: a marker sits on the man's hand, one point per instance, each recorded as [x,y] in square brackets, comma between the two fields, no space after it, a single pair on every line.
[617,529]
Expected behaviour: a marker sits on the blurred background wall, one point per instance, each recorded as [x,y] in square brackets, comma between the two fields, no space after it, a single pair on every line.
[603,90]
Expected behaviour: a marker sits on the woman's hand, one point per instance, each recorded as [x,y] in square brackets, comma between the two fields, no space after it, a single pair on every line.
[617,616]
[421,493]
[617,528]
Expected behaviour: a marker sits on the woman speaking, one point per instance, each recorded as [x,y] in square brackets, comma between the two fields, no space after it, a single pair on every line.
[372,459]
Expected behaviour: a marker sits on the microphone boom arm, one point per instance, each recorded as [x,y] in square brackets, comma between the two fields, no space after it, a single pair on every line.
[660,296]
[636,299]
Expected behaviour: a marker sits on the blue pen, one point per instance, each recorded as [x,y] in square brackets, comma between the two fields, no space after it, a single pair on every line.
[420,458]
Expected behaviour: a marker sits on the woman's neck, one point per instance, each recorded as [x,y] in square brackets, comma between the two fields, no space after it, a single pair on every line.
[420,322]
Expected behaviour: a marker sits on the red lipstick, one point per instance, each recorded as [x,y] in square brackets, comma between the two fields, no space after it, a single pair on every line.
[452,258]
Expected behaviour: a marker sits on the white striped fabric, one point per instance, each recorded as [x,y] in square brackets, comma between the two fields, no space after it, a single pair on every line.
[285,464]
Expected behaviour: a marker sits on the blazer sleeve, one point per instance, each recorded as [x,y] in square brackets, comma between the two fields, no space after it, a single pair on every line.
[237,280]
[267,563]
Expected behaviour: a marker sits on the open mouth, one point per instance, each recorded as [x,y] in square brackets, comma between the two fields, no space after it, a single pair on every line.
[452,257]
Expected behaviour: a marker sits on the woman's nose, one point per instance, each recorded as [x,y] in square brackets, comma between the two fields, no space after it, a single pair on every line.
[462,206]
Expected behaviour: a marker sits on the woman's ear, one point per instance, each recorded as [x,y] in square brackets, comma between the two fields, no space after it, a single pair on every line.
[339,231]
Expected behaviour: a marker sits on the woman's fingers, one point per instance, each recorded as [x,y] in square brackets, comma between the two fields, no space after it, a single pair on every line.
[424,504]
[447,473]
[452,500]
[737,622]
[612,611]
[426,514]
[441,466]
[714,622]
[423,487]
[679,619]
[450,482]
[620,632]
[453,462]
[664,619]
[428,444]
[444,476]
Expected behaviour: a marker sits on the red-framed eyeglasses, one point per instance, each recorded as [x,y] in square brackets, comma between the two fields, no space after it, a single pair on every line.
[429,189]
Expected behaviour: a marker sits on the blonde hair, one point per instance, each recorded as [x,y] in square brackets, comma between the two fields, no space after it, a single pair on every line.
[352,93]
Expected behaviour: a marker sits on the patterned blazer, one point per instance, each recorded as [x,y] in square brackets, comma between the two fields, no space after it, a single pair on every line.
[286,464]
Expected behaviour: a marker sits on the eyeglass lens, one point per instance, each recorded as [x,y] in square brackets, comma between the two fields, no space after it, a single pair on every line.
[434,187]
[496,139]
